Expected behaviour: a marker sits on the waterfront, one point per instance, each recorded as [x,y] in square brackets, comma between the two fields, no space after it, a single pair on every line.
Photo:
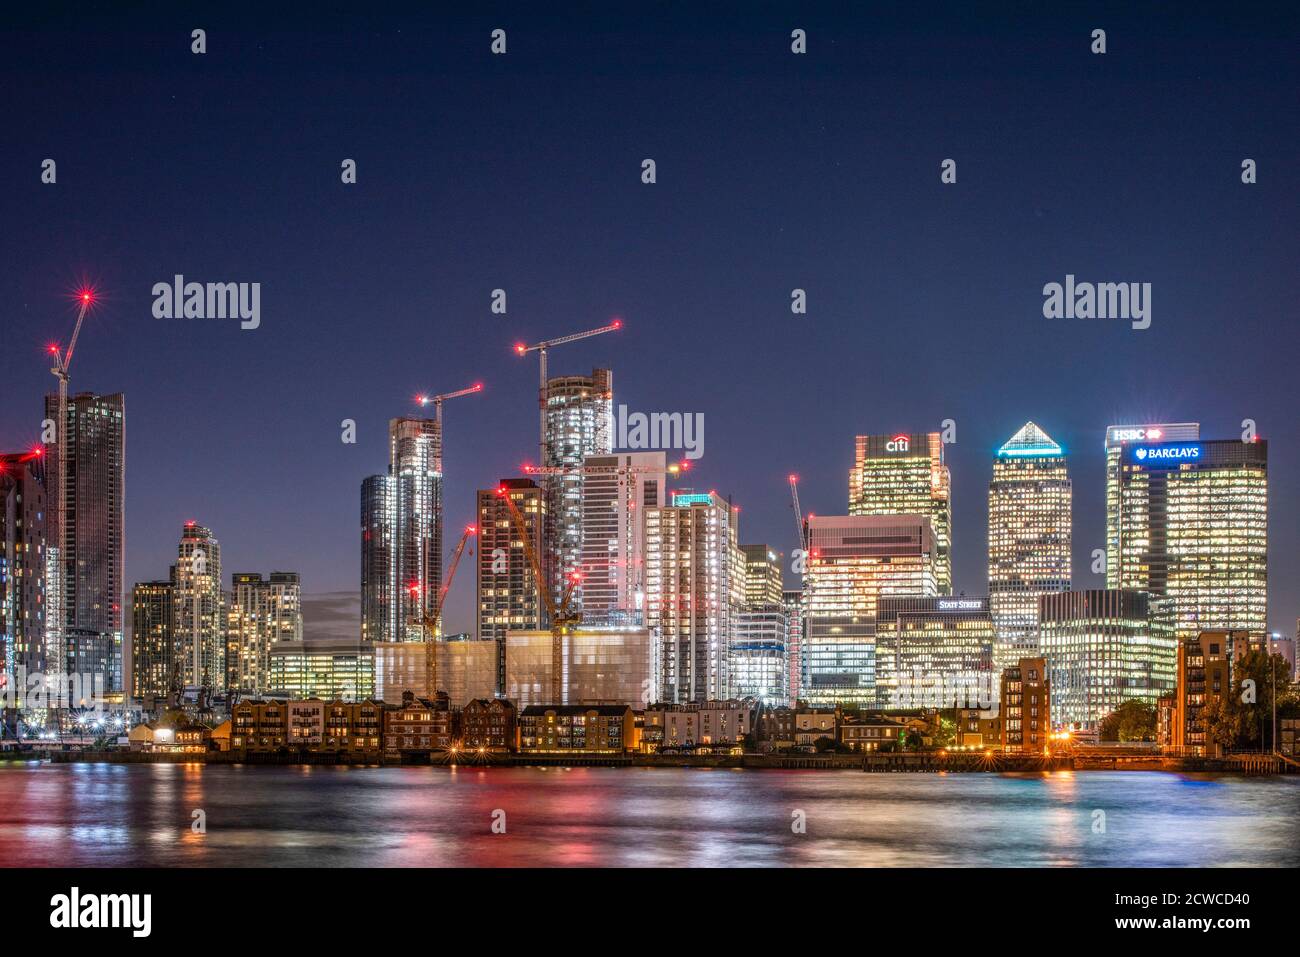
[79,815]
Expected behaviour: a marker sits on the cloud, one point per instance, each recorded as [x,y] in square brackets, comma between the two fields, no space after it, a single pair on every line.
[333,614]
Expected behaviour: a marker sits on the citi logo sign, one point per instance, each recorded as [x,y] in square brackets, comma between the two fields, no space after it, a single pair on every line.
[899,443]
[74,910]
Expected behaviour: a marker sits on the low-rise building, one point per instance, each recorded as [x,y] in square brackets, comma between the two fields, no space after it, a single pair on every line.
[871,733]
[488,724]
[708,725]
[978,728]
[576,729]
[419,725]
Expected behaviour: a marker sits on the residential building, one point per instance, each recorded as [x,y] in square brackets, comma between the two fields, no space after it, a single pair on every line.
[509,598]
[576,729]
[1204,674]
[1026,712]
[91,486]
[708,724]
[694,586]
[199,603]
[419,725]
[24,557]
[261,613]
[155,666]
[616,492]
[488,724]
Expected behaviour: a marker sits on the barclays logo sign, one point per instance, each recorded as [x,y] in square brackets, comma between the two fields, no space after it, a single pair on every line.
[1166,456]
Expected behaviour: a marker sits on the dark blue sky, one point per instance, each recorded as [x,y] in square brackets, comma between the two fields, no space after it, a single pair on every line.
[775,171]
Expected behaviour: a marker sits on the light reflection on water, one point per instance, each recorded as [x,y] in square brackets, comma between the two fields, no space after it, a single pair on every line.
[121,815]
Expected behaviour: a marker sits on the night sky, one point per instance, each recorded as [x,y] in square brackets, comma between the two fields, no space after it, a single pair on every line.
[522,171]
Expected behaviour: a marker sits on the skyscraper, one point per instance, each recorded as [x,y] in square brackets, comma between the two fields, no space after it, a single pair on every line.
[693,590]
[934,652]
[200,614]
[155,666]
[261,614]
[508,591]
[758,664]
[854,561]
[616,491]
[579,423]
[792,605]
[91,540]
[1029,538]
[23,562]
[1192,532]
[905,474]
[401,534]
[1117,437]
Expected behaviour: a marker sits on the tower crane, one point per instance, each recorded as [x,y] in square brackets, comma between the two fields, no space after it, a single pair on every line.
[564,618]
[437,401]
[801,530]
[541,348]
[62,363]
[433,622]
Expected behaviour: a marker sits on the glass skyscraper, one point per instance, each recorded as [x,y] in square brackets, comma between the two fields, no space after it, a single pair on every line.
[1029,538]
[904,474]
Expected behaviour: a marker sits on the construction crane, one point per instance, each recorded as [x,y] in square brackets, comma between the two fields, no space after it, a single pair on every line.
[564,618]
[437,401]
[433,622]
[801,532]
[62,364]
[541,349]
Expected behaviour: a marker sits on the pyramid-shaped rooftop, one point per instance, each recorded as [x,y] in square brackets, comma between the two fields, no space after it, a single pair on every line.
[1030,441]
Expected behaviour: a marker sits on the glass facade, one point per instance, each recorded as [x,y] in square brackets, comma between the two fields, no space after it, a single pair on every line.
[934,652]
[1104,647]
[1029,539]
[905,474]
[853,562]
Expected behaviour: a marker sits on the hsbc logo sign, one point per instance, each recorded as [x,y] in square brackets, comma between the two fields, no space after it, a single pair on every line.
[899,443]
[1136,435]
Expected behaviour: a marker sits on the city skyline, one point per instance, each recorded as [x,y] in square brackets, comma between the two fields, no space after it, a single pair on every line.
[364,306]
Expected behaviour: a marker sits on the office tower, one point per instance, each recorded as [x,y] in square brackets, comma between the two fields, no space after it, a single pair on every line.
[934,653]
[200,613]
[155,666]
[1029,538]
[602,664]
[401,534]
[90,556]
[23,562]
[1192,531]
[792,605]
[904,474]
[758,664]
[854,561]
[692,592]
[508,595]
[1117,437]
[260,614]
[332,669]
[579,423]
[1103,648]
[616,491]
[1028,697]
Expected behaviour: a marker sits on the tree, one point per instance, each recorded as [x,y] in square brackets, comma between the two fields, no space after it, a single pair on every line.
[1134,720]
[1225,723]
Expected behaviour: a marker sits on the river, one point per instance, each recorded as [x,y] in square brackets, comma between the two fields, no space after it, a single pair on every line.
[144,814]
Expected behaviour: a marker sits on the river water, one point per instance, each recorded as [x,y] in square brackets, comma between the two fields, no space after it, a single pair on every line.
[143,814]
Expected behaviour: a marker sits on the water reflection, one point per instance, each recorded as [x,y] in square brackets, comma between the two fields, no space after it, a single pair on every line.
[122,815]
